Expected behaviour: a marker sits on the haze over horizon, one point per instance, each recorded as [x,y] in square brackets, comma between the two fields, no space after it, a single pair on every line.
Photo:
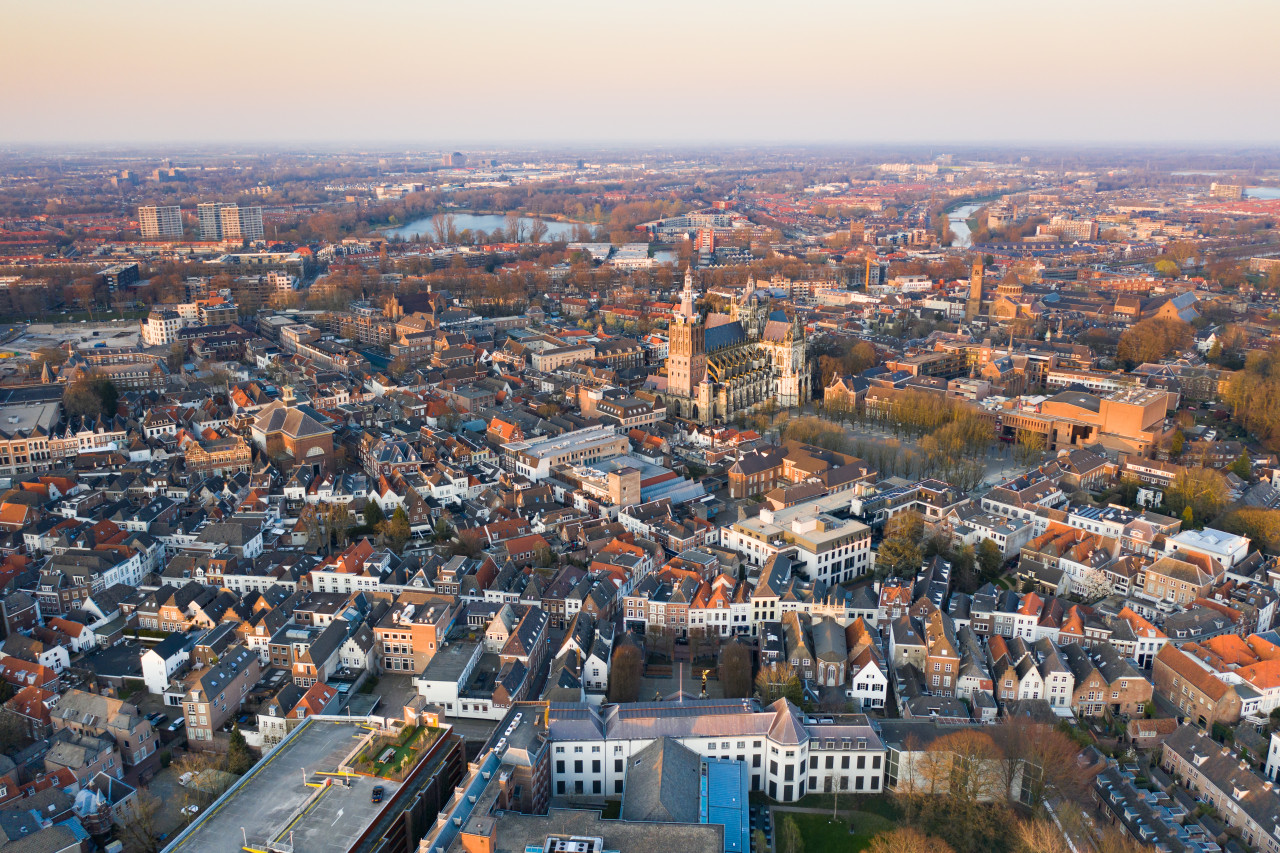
[714,73]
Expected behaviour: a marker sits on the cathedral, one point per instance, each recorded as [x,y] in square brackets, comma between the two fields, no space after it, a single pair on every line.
[728,363]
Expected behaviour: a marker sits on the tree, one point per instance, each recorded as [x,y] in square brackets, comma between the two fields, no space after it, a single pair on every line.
[1029,446]
[777,681]
[140,826]
[80,399]
[1242,467]
[543,557]
[1043,760]
[900,552]
[990,559]
[55,356]
[396,531]
[759,843]
[1202,490]
[790,839]
[625,672]
[13,733]
[1260,525]
[177,355]
[468,544]
[908,840]
[1040,836]
[1153,339]
[1177,444]
[239,759]
[373,514]
[1113,840]
[735,670]
[967,768]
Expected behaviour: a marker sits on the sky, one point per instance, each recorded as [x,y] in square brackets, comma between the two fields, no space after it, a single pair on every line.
[429,73]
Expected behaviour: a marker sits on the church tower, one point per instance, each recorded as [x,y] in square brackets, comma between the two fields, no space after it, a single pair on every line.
[687,351]
[974,306]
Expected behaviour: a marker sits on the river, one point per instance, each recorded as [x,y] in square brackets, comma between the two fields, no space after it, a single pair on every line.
[479,222]
[958,222]
[1262,192]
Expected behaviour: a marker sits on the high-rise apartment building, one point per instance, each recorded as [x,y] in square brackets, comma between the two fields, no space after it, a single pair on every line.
[242,223]
[160,222]
[210,215]
[222,221]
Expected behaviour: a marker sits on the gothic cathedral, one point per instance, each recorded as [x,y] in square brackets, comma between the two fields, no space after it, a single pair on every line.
[732,362]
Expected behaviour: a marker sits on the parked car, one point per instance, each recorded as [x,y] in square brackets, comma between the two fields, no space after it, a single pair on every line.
[378,792]
[177,724]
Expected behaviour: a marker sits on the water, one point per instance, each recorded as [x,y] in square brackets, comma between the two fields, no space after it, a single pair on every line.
[482,222]
[959,226]
[1262,192]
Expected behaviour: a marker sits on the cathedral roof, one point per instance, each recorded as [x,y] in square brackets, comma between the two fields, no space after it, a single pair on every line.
[725,335]
[776,330]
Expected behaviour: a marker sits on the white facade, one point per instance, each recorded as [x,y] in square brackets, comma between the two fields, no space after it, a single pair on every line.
[157,222]
[156,670]
[868,686]
[785,757]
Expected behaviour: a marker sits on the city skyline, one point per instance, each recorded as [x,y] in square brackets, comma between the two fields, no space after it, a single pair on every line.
[746,73]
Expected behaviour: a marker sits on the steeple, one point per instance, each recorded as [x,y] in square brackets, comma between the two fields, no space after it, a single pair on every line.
[686,296]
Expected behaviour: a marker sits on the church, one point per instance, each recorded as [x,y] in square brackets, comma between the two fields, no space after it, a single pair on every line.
[729,363]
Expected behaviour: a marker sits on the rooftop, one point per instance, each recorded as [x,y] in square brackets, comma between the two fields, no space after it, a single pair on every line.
[267,801]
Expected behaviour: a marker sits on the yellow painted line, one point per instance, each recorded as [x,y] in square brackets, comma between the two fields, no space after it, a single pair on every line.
[306,812]
[252,850]
[314,785]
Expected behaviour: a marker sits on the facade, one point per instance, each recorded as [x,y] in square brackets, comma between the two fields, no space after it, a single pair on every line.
[785,757]
[214,693]
[1241,798]
[158,223]
[161,327]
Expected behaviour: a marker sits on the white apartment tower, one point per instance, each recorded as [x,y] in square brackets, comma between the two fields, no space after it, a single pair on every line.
[160,222]
[210,216]
[222,221]
[242,223]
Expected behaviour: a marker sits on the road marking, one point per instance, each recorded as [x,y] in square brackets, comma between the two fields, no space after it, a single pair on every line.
[338,818]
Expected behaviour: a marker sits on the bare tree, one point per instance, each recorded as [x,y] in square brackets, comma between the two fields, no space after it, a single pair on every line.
[1040,836]
[735,670]
[625,671]
[908,840]
[139,828]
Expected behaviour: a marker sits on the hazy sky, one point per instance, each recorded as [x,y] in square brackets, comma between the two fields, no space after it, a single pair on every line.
[705,71]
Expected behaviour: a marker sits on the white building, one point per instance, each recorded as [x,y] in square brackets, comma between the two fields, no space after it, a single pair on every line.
[162,661]
[160,222]
[161,327]
[1227,548]
[831,549]
[786,755]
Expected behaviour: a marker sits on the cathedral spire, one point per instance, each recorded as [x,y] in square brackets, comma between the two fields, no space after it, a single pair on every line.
[686,297]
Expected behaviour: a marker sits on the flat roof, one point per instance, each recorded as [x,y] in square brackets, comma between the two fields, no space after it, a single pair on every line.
[265,803]
[25,417]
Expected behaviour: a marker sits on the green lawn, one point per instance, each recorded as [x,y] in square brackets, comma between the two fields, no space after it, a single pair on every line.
[820,833]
